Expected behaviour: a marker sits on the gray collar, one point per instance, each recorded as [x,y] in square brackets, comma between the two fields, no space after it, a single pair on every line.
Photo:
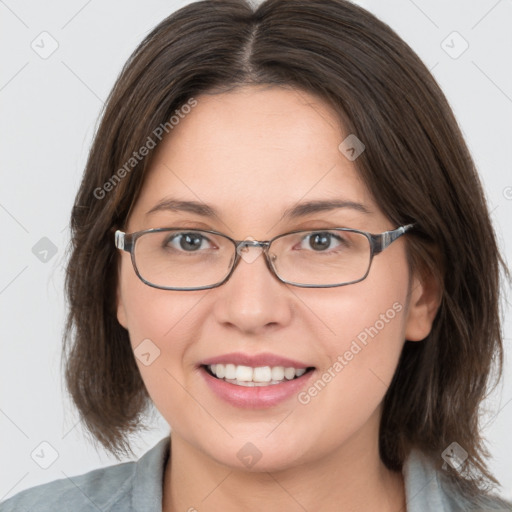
[426,488]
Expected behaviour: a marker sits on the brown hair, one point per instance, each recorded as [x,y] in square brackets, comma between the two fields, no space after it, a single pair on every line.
[416,165]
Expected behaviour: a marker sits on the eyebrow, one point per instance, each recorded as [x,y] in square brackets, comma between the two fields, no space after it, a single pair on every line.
[303,209]
[176,205]
[299,210]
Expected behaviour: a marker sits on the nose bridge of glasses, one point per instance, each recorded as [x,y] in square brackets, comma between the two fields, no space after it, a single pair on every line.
[243,252]
[251,243]
[242,244]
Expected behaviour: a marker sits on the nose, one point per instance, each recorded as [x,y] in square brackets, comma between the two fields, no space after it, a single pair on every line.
[253,300]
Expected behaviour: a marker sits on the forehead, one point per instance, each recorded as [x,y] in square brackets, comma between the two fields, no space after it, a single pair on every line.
[252,153]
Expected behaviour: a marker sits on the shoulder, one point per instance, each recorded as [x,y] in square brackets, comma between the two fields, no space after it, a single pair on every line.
[113,488]
[429,488]
[90,491]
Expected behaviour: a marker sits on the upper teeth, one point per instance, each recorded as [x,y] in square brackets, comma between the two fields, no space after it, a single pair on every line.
[241,373]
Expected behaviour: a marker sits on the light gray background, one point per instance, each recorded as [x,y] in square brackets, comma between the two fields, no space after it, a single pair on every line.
[49,112]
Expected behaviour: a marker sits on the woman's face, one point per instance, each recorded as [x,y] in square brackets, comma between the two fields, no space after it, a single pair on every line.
[251,155]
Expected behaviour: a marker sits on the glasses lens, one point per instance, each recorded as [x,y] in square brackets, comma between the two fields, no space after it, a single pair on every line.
[183,258]
[327,257]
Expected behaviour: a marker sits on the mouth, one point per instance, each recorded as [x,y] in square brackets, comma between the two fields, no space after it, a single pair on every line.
[258,376]
[255,381]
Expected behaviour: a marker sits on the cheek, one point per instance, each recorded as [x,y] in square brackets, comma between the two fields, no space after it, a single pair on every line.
[153,313]
[362,337]
[368,318]
[373,309]
[161,324]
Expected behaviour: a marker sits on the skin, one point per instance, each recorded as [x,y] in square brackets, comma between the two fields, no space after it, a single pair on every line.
[240,152]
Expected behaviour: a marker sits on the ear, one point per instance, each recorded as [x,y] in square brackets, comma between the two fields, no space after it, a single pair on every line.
[121,311]
[424,301]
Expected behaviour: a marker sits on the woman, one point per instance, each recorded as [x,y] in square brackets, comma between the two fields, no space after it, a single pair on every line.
[281,242]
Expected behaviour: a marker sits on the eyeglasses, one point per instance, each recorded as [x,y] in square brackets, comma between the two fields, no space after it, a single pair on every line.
[190,259]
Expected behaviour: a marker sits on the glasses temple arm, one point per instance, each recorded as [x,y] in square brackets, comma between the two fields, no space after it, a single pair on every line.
[380,242]
[123,241]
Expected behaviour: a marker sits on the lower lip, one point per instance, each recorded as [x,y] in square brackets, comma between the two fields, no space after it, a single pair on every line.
[257,397]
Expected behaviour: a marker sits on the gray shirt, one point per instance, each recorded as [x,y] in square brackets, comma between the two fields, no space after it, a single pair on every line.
[137,486]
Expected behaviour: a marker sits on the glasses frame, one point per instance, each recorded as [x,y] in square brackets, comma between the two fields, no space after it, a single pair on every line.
[378,242]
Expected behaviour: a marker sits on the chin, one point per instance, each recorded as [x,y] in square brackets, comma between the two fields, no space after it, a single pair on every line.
[257,456]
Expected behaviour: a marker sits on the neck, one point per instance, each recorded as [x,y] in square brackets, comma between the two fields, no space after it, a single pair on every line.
[351,478]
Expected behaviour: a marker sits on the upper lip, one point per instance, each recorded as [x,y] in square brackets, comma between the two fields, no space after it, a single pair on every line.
[255,360]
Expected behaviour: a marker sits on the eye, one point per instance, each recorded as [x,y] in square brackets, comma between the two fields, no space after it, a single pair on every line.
[323,241]
[190,241]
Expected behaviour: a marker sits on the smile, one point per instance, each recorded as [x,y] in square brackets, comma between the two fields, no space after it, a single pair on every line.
[248,376]
[255,387]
